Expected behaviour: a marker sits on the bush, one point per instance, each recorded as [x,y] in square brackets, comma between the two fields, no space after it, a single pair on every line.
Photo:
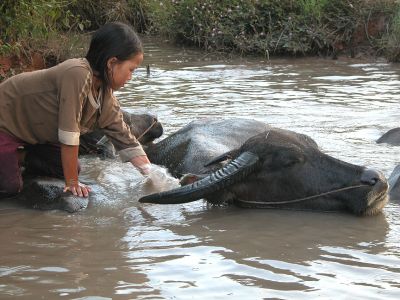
[26,22]
[268,26]
[390,43]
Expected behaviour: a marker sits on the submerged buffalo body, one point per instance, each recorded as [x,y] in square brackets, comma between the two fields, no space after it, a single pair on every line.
[250,164]
[394,184]
[391,137]
[188,149]
[47,193]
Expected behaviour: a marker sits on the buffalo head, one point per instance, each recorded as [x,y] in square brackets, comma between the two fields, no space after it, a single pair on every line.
[284,169]
[145,127]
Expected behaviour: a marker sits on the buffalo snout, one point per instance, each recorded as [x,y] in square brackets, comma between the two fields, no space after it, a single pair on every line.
[372,177]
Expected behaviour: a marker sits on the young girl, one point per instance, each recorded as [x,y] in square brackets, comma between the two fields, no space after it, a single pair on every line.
[46,111]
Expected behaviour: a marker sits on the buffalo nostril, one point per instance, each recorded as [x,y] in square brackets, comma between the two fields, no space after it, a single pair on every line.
[370,177]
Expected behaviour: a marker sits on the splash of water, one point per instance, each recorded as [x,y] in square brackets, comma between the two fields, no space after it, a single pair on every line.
[158,180]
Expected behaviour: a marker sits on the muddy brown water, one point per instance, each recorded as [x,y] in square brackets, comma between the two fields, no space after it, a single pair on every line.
[119,249]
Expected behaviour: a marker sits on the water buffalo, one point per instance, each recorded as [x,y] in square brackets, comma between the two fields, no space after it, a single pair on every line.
[144,126]
[394,184]
[47,193]
[391,137]
[250,164]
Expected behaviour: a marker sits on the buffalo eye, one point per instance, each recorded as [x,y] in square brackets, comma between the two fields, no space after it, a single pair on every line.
[291,162]
[288,159]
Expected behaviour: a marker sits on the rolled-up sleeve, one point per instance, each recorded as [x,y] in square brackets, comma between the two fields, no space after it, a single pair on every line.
[112,122]
[74,88]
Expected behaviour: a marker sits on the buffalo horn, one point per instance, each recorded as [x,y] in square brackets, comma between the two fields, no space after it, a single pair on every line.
[232,172]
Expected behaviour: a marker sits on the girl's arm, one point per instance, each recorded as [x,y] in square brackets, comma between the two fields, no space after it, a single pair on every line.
[69,160]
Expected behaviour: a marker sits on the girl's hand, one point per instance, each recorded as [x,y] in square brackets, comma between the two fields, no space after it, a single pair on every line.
[141,163]
[77,188]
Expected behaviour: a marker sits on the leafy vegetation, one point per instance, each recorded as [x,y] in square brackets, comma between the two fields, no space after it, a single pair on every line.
[263,27]
[26,21]
[294,27]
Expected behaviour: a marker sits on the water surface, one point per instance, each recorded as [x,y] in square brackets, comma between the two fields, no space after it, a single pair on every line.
[119,249]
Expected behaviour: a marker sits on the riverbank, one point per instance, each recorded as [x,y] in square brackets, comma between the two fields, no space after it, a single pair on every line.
[38,33]
[44,54]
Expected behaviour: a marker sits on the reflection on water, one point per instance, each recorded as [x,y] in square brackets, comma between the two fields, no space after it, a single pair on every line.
[229,251]
[119,249]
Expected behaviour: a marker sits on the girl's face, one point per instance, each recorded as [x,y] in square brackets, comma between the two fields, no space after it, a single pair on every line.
[120,71]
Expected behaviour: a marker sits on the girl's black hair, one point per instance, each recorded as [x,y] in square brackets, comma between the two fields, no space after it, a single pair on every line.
[113,39]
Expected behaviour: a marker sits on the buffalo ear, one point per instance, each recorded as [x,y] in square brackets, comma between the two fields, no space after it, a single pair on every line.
[188,179]
[220,158]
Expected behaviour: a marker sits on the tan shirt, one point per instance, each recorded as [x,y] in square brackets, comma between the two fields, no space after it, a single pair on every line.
[56,105]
